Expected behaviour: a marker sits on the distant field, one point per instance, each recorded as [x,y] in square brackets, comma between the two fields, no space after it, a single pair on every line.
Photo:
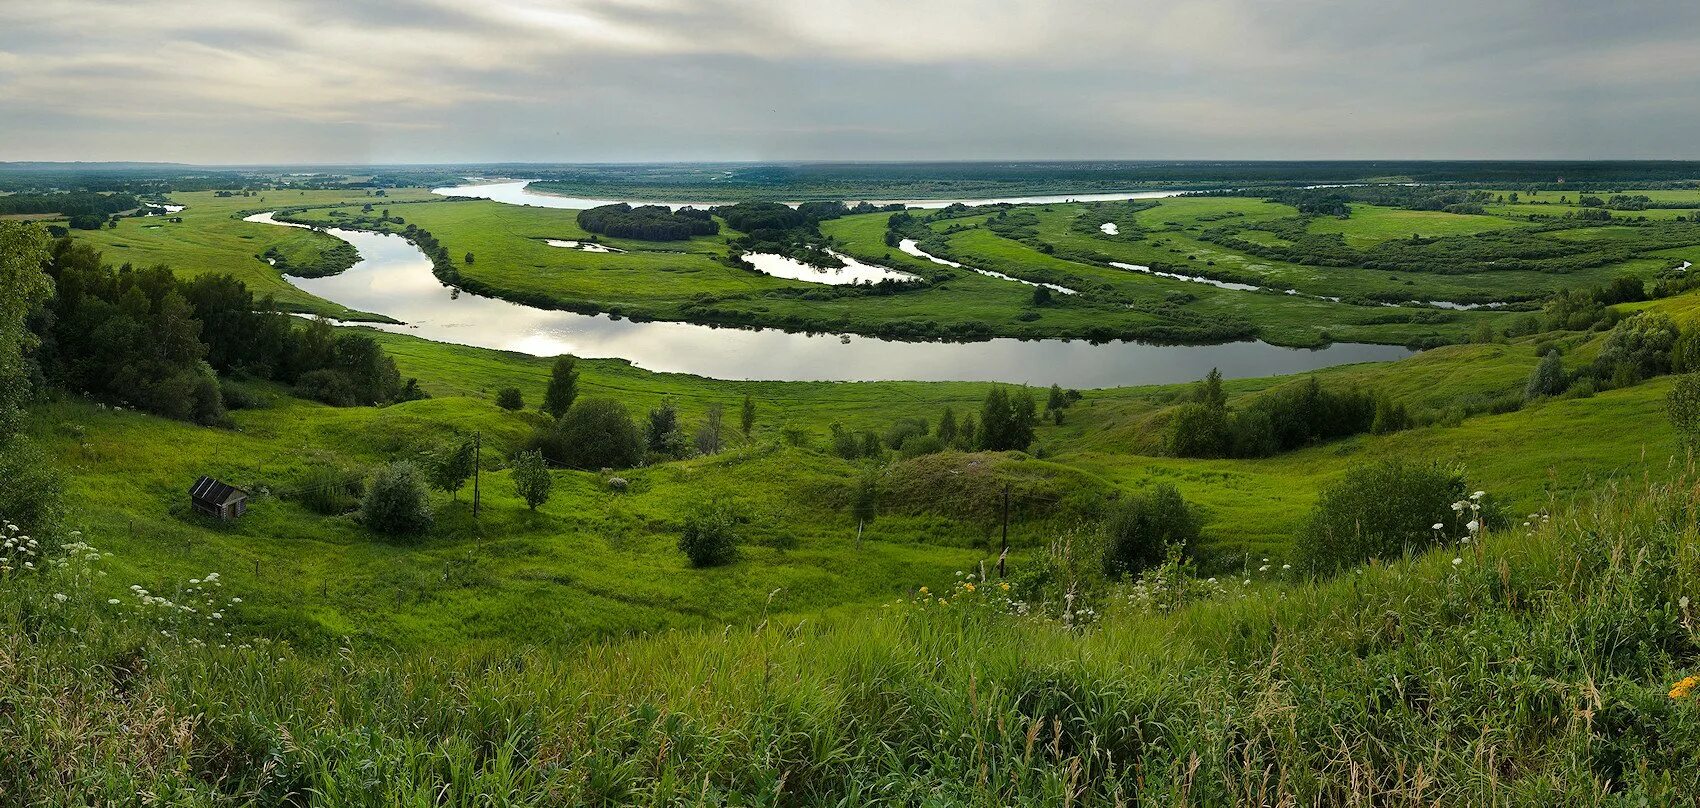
[212,238]
[691,281]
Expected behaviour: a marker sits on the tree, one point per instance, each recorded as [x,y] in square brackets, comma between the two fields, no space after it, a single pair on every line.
[23,250]
[708,435]
[1007,421]
[747,419]
[1637,348]
[563,387]
[1142,529]
[1685,354]
[662,433]
[1041,295]
[469,258]
[1056,399]
[451,466]
[947,427]
[509,398]
[965,437]
[1547,379]
[531,478]
[395,502]
[596,433]
[864,503]
[1682,406]
[710,535]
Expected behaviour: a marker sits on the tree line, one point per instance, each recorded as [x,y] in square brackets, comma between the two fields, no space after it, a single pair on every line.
[143,338]
[648,222]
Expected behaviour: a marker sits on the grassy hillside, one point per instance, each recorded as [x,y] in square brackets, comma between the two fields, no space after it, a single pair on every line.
[1544,666]
[593,562]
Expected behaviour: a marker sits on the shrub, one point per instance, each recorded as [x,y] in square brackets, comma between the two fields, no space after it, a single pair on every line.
[1548,377]
[329,490]
[395,501]
[531,479]
[1197,430]
[509,398]
[563,387]
[916,445]
[710,536]
[1139,532]
[596,433]
[1682,406]
[1382,510]
[1637,348]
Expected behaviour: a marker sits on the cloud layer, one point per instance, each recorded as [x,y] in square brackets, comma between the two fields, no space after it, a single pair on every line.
[613,80]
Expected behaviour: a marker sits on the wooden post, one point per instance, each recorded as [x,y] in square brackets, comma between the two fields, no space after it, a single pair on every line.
[859,524]
[1005,552]
[477,451]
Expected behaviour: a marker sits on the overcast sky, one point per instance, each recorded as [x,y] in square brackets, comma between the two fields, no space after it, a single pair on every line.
[223,81]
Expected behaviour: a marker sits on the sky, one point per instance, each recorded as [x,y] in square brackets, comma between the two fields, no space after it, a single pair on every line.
[434,81]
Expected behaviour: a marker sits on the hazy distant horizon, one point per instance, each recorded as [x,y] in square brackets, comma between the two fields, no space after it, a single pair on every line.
[329,82]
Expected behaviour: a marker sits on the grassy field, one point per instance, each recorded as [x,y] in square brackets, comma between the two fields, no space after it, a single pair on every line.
[690,281]
[213,239]
[593,562]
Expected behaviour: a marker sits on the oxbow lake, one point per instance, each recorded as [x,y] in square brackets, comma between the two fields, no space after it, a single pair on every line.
[394,278]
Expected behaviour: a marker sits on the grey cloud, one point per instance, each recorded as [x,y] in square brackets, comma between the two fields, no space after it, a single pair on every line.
[448,80]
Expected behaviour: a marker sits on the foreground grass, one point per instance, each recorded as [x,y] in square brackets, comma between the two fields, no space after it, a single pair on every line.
[1529,669]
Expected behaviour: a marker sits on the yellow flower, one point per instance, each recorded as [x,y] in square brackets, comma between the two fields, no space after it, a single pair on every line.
[969,587]
[1004,587]
[1683,688]
[923,590]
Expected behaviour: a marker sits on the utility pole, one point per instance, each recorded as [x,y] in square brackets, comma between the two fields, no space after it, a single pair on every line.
[477,451]
[1005,554]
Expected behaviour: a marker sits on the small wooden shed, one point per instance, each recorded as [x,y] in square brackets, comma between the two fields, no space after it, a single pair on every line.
[213,498]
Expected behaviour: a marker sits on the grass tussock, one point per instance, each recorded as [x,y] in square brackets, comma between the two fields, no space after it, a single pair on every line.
[1531,667]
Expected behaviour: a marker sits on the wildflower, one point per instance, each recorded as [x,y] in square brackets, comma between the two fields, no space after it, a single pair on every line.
[1474,526]
[112,601]
[1264,568]
[1286,566]
[239,600]
[1456,561]
[1478,495]
[1684,687]
[1003,586]
[923,590]
[61,597]
[1439,526]
[968,587]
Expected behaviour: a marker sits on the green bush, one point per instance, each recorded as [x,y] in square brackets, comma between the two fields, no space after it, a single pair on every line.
[1141,530]
[327,489]
[710,535]
[596,433]
[1383,510]
[509,398]
[396,502]
[1547,379]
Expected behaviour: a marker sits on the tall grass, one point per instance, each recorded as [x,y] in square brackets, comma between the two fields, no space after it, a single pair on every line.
[1528,668]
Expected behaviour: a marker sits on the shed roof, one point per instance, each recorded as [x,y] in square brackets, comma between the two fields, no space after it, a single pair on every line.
[207,489]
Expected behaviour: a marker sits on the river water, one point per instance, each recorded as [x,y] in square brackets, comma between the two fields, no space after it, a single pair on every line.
[515,192]
[394,278]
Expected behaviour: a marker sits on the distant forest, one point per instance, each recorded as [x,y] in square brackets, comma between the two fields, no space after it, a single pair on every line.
[801,182]
[648,222]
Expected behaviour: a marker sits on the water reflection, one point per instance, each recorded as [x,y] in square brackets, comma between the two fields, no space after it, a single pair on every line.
[393,278]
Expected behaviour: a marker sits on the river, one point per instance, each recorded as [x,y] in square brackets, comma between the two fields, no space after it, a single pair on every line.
[515,192]
[394,278]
